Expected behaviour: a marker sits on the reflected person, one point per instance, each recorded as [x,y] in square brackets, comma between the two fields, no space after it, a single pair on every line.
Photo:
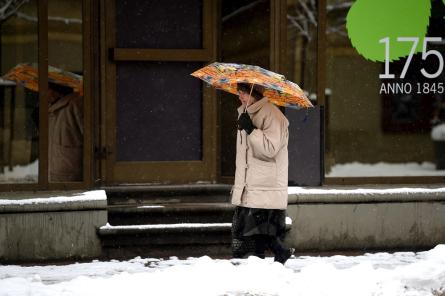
[65,134]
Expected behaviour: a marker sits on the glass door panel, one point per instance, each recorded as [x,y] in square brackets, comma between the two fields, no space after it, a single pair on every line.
[66,121]
[19,113]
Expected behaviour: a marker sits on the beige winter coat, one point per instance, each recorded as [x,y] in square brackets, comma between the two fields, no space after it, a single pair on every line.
[66,139]
[262,159]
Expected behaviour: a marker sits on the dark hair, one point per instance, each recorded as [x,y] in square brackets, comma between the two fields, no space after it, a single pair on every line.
[257,91]
[61,89]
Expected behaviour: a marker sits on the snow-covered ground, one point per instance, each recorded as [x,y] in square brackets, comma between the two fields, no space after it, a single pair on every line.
[20,173]
[394,274]
[93,195]
[383,169]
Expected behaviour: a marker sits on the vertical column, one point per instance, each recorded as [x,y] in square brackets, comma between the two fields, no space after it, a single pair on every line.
[43,91]
[277,35]
[321,52]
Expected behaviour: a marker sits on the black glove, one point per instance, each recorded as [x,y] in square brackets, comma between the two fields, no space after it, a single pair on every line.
[245,123]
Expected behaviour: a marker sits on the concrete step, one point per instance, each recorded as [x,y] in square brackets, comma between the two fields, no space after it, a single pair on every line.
[164,240]
[193,193]
[169,213]
[163,221]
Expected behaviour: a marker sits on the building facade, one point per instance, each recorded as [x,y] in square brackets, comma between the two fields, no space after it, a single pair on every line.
[145,120]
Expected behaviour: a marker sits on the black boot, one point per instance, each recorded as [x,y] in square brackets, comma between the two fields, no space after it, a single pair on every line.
[285,255]
[281,252]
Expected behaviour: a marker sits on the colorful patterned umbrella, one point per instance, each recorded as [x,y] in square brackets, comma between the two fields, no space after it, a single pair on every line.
[27,74]
[278,90]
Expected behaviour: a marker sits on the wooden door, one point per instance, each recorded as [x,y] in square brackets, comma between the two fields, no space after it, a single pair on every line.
[159,123]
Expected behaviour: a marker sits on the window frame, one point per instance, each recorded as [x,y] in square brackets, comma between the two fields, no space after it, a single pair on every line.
[113,172]
[88,12]
[321,85]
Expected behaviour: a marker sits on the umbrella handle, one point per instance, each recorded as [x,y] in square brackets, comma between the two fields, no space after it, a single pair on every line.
[250,95]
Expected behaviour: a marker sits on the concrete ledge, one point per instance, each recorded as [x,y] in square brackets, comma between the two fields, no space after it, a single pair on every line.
[351,219]
[365,195]
[23,202]
[51,227]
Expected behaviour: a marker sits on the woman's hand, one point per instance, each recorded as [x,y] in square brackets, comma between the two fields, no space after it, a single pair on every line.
[245,123]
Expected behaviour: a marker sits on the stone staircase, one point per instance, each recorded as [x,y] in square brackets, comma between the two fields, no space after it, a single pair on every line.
[164,221]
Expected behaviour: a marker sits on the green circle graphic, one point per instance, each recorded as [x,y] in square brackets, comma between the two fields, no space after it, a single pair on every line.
[369,21]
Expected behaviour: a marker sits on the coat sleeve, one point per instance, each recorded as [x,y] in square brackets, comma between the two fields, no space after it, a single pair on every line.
[79,113]
[269,140]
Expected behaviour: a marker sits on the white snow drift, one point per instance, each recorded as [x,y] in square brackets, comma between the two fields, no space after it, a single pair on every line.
[395,274]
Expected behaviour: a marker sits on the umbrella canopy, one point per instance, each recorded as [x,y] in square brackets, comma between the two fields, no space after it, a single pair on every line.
[27,74]
[278,90]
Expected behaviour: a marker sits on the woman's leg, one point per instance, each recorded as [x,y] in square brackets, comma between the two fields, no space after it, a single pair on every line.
[237,248]
[261,242]
[282,253]
[237,243]
[243,246]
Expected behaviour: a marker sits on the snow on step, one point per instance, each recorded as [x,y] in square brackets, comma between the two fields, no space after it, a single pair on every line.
[167,226]
[109,227]
[95,195]
[381,169]
[382,191]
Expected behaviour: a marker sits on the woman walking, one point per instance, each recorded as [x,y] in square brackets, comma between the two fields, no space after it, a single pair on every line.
[261,177]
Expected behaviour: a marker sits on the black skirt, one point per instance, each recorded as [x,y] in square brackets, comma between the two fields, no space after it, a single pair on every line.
[250,221]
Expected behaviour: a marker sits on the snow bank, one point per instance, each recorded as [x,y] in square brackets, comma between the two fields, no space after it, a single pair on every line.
[385,274]
[20,173]
[382,169]
[365,191]
[438,132]
[95,195]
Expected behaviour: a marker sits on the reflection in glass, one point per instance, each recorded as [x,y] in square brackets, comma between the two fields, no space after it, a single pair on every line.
[162,24]
[373,132]
[65,91]
[149,126]
[19,137]
[302,45]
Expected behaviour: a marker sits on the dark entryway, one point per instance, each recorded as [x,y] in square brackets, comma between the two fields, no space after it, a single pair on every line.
[159,121]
